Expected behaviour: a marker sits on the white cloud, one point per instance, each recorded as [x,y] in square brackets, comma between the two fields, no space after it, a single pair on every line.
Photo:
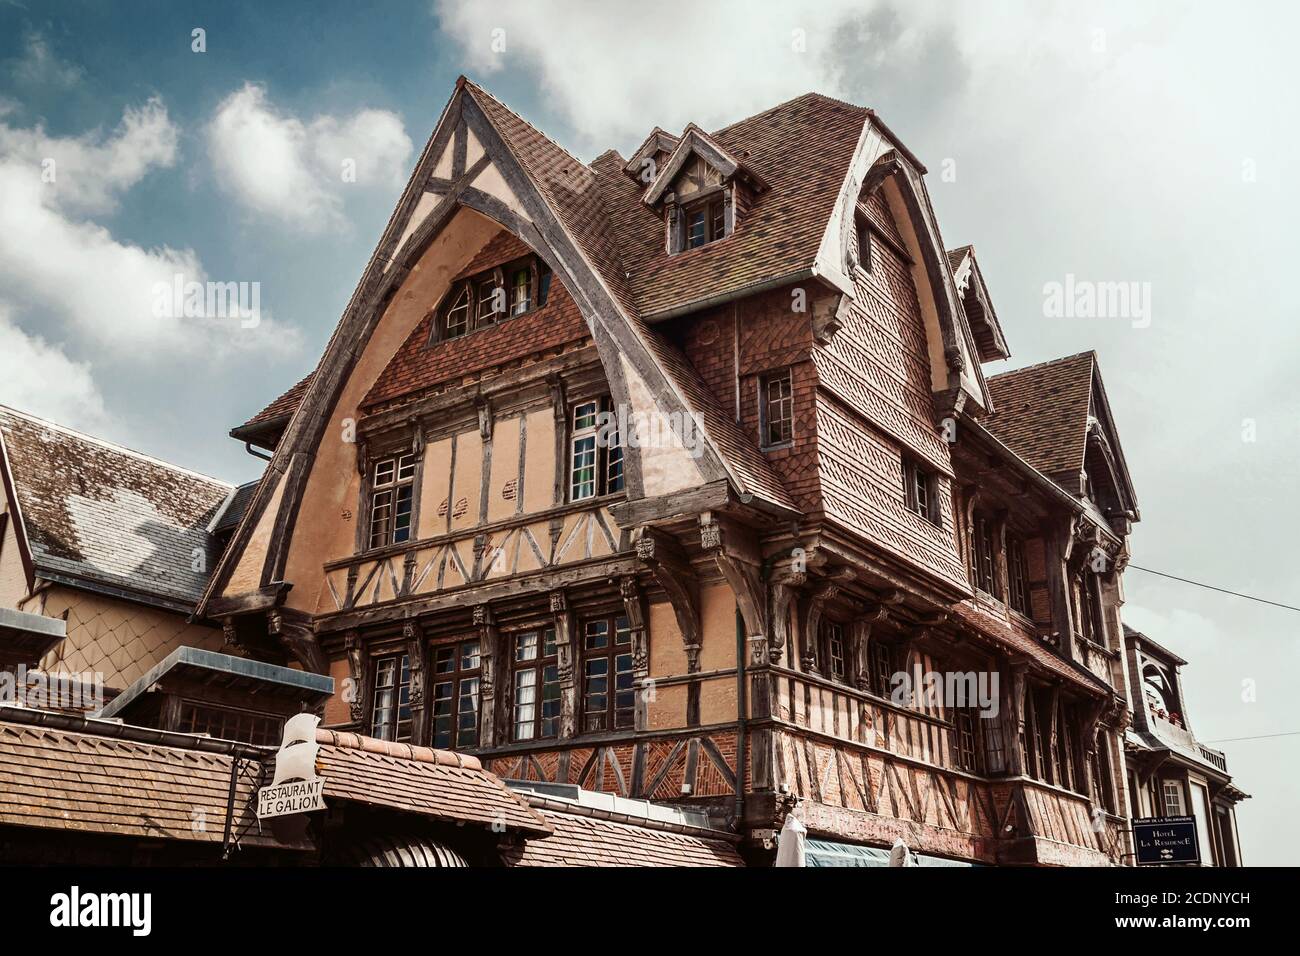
[298,173]
[38,66]
[38,377]
[57,263]
[87,173]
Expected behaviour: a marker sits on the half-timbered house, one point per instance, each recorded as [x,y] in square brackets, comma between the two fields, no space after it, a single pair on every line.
[661,476]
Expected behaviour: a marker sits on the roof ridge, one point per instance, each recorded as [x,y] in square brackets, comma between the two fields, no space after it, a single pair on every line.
[810,95]
[1044,364]
[114,446]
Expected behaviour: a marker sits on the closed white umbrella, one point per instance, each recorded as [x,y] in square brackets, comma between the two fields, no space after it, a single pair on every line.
[900,855]
[790,843]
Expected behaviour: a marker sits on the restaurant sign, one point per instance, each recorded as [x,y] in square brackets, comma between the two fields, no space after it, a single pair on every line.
[296,788]
[1166,840]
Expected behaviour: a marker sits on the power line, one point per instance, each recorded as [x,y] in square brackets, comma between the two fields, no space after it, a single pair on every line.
[1233,740]
[1211,587]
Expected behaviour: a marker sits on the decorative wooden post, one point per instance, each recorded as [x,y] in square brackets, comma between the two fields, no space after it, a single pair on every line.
[490,708]
[565,664]
[414,639]
[359,674]
[634,611]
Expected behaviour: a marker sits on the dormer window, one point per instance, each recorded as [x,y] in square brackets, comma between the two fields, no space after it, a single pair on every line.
[482,300]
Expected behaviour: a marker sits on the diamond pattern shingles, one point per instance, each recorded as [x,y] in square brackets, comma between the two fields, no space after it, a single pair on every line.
[96,511]
[588,841]
[433,783]
[1042,414]
[68,780]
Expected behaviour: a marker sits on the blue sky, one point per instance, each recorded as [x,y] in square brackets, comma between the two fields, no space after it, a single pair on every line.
[1124,142]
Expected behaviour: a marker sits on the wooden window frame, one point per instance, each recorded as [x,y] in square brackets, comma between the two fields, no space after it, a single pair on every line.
[388,495]
[253,727]
[1018,572]
[967,749]
[607,459]
[835,641]
[545,659]
[714,224]
[1177,785]
[984,554]
[617,658]
[467,295]
[400,670]
[882,666]
[782,403]
[445,727]
[921,491]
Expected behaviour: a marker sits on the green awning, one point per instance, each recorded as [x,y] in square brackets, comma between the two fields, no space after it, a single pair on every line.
[828,853]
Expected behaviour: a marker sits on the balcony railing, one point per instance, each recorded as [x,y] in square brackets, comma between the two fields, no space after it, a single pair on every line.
[1212,756]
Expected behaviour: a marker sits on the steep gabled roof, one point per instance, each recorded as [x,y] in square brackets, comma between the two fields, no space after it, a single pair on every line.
[108,518]
[1042,414]
[1054,415]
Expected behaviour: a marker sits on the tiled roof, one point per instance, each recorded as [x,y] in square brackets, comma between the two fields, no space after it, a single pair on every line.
[584,840]
[67,780]
[1042,414]
[104,514]
[278,411]
[417,366]
[1020,643]
[437,784]
[802,149]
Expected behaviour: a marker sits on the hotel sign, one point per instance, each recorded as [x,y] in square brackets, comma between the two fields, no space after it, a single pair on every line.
[1166,840]
[296,788]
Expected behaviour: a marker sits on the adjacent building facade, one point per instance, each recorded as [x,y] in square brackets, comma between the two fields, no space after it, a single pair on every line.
[680,478]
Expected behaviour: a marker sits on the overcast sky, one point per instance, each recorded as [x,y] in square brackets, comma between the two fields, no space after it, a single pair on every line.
[1136,142]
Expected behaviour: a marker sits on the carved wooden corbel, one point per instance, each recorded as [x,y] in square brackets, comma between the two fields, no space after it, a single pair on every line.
[862,626]
[736,553]
[634,611]
[823,590]
[294,632]
[785,588]
[672,571]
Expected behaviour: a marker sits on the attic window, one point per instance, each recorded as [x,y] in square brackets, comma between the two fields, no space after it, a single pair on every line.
[705,222]
[482,300]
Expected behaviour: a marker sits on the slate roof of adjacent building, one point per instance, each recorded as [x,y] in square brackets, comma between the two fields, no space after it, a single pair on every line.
[105,516]
[1042,413]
